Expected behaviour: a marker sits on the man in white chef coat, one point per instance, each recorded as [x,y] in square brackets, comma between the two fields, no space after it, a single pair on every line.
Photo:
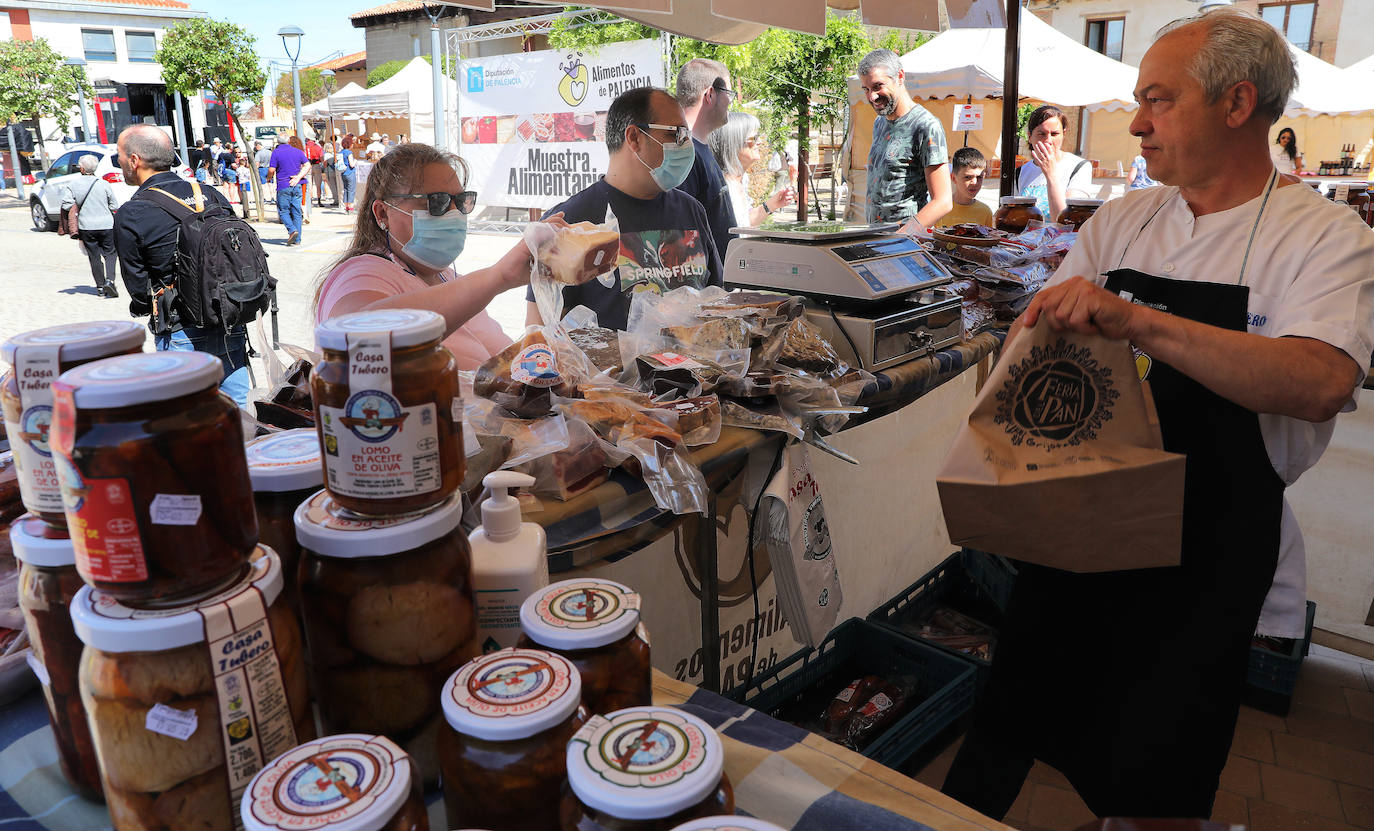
[1250,302]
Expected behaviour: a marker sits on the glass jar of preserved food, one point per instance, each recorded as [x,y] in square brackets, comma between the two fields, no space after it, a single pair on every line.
[728,823]
[150,457]
[595,624]
[285,470]
[1078,211]
[171,695]
[389,412]
[1015,213]
[509,716]
[1358,199]
[36,359]
[644,769]
[388,612]
[47,583]
[352,781]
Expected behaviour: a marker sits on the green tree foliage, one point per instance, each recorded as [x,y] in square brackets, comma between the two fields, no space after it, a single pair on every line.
[219,57]
[314,86]
[34,83]
[900,41]
[390,68]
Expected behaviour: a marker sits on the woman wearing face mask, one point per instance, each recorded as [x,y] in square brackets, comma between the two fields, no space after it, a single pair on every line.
[651,153]
[412,224]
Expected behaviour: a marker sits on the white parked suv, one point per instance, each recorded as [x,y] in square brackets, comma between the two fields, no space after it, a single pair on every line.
[45,199]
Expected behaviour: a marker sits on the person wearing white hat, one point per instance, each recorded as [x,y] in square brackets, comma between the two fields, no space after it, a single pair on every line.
[376,145]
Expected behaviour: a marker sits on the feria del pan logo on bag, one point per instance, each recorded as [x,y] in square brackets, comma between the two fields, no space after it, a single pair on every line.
[1057,396]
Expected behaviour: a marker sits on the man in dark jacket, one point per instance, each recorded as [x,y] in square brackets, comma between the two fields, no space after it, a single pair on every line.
[146,239]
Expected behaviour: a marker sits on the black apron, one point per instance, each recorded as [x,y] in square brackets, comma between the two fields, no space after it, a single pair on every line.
[1129,683]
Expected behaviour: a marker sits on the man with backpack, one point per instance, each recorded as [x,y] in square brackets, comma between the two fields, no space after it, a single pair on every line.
[189,263]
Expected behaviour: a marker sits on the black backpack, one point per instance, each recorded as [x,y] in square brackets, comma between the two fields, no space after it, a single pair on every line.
[221,270]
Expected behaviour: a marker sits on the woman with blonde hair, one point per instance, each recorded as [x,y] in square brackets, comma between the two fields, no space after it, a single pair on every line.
[412,225]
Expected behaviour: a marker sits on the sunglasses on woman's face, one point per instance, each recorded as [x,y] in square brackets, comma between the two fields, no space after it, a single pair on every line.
[440,202]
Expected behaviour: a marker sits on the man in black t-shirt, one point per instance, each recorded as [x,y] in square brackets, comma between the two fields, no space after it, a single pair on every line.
[703,90]
[665,236]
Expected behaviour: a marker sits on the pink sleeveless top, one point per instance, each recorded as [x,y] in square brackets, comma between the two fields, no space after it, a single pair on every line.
[472,343]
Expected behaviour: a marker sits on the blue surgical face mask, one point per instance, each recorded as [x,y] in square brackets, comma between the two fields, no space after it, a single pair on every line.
[677,163]
[435,241]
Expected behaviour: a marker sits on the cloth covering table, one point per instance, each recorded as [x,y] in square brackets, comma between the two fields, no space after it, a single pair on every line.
[780,773]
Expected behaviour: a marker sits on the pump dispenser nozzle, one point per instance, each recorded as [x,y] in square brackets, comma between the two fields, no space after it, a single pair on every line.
[501,511]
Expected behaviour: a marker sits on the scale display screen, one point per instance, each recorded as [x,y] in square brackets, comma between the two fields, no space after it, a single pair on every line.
[899,272]
[885,247]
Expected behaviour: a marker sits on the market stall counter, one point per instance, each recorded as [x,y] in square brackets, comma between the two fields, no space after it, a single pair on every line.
[781,774]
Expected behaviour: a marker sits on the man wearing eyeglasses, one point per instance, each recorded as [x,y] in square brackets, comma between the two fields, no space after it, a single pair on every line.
[665,235]
[908,166]
[703,90]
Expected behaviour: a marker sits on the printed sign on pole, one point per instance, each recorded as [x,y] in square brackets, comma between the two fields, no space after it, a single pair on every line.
[968,117]
[534,123]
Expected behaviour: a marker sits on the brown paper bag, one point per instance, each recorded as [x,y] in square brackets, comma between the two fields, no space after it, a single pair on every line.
[1060,461]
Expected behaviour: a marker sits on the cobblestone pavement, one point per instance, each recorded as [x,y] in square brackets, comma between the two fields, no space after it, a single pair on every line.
[49,279]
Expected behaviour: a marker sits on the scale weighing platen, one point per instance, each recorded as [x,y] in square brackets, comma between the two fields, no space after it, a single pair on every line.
[841,264]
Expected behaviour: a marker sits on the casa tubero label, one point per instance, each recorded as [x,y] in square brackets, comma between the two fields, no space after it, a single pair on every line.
[374,447]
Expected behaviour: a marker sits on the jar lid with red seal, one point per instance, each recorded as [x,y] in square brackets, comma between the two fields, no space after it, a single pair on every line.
[125,380]
[39,544]
[330,531]
[645,762]
[581,613]
[79,341]
[348,782]
[285,461]
[729,823]
[511,694]
[103,623]
[408,327]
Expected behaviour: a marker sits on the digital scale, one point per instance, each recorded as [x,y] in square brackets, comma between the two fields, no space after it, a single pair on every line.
[877,297]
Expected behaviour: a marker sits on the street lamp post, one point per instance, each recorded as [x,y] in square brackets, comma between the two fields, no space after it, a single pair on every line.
[292,35]
[81,101]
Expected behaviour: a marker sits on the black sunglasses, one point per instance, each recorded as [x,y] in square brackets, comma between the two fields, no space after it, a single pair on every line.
[731,94]
[440,201]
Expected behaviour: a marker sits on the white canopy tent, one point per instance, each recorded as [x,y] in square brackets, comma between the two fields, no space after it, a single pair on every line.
[1324,89]
[1054,68]
[321,108]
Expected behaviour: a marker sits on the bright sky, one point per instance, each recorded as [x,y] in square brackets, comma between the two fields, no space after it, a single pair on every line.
[327,27]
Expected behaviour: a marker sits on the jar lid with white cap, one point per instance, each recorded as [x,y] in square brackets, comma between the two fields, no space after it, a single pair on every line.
[348,782]
[125,380]
[645,762]
[1016,200]
[511,694]
[330,531]
[582,613]
[39,544]
[286,461]
[728,823]
[79,341]
[1083,203]
[103,623]
[408,327]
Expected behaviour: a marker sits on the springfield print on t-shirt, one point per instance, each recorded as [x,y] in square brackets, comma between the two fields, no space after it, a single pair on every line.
[662,260]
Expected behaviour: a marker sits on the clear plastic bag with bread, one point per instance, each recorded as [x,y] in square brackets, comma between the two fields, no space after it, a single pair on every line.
[569,256]
[524,377]
[1061,462]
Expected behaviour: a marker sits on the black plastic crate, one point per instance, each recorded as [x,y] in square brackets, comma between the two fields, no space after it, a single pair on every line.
[805,683]
[977,584]
[1272,676]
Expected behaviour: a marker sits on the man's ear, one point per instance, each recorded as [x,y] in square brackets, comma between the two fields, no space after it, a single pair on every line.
[1241,102]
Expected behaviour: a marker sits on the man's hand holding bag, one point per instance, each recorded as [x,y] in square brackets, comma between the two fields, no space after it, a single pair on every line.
[1061,461]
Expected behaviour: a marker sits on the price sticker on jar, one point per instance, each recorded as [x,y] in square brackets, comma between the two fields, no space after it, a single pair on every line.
[171,722]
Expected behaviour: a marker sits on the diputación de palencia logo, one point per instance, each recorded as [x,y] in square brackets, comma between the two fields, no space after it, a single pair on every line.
[1058,396]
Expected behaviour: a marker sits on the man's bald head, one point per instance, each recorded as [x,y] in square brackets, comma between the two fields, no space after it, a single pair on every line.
[150,144]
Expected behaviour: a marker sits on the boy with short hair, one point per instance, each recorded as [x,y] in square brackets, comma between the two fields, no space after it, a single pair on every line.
[966,169]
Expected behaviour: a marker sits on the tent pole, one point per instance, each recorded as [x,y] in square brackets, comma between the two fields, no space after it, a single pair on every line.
[1010,97]
[970,103]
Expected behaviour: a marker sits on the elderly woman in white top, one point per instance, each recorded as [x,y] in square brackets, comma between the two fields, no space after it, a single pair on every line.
[737,148]
[95,222]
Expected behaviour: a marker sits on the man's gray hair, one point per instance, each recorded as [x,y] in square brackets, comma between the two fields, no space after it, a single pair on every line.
[150,144]
[727,141]
[87,165]
[695,77]
[1238,46]
[885,59]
